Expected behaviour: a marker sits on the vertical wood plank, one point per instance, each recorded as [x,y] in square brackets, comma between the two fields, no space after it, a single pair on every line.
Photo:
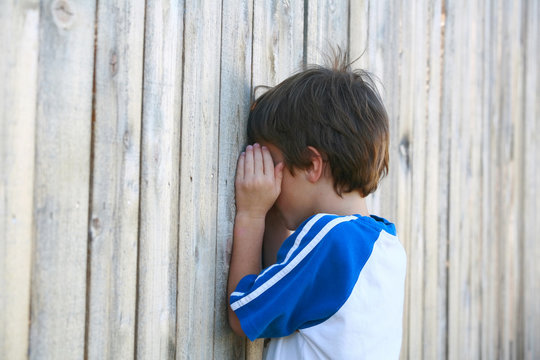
[278,52]
[278,40]
[235,91]
[511,190]
[490,344]
[465,180]
[327,27]
[358,33]
[115,180]
[198,185]
[65,74]
[412,134]
[435,200]
[531,185]
[19,33]
[160,166]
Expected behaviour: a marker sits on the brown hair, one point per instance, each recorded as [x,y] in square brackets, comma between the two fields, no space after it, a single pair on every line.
[337,111]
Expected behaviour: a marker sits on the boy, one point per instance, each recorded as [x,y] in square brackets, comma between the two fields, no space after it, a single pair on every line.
[335,289]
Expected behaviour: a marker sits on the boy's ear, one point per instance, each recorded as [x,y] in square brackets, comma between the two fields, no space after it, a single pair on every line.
[316,170]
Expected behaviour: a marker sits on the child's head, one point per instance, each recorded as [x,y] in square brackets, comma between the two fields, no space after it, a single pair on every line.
[335,110]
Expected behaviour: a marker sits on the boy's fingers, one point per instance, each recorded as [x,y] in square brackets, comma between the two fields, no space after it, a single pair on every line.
[248,162]
[257,159]
[240,166]
[268,162]
[278,174]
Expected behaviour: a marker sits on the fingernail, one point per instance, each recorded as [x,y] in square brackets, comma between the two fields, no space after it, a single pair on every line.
[249,147]
[256,145]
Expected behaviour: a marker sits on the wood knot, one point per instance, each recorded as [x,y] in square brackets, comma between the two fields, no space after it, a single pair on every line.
[404,151]
[95,227]
[126,140]
[62,13]
[114,63]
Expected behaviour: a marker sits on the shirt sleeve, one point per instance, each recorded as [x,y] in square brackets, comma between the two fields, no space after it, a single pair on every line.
[315,274]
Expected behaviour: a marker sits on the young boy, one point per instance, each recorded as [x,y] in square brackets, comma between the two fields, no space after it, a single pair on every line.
[335,289]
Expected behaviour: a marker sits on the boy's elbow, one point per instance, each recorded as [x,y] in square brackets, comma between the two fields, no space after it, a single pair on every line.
[234,323]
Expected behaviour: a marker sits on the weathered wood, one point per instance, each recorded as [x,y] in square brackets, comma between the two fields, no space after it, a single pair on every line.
[278,40]
[235,92]
[511,190]
[530,331]
[115,180]
[198,185]
[459,80]
[327,28]
[465,179]
[19,33]
[435,200]
[160,167]
[490,143]
[358,33]
[62,174]
[412,126]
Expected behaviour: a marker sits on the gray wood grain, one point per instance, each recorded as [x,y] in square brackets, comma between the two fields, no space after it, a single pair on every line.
[115,180]
[531,185]
[62,175]
[19,35]
[160,183]
[127,166]
[199,180]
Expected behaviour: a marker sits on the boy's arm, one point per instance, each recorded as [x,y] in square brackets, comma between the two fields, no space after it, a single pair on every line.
[258,185]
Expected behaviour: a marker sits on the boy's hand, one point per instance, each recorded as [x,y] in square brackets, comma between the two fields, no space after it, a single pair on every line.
[258,182]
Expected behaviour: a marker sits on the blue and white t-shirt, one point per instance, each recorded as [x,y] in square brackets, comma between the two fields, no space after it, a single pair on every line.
[336,292]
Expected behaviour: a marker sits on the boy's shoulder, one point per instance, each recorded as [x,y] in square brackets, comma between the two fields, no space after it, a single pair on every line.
[338,233]
[331,225]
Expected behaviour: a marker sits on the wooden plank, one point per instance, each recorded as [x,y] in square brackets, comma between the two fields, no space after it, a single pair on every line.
[358,33]
[235,91]
[198,185]
[327,28]
[411,132]
[160,163]
[418,186]
[436,197]
[490,344]
[278,40]
[278,52]
[511,196]
[531,185]
[115,180]
[64,110]
[19,33]
[464,294]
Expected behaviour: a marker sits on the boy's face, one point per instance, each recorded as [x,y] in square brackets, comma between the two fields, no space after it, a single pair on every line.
[294,201]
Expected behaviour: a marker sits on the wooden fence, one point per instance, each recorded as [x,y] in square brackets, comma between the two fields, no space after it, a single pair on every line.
[121,122]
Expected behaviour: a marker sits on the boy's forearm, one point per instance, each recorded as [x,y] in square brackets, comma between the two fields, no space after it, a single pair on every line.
[257,186]
[246,255]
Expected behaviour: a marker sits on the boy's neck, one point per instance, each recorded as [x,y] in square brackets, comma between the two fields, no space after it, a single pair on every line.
[347,204]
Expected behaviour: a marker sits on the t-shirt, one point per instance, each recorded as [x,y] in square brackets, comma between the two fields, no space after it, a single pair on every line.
[336,292]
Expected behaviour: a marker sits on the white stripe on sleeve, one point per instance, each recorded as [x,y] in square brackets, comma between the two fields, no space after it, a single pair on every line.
[294,262]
